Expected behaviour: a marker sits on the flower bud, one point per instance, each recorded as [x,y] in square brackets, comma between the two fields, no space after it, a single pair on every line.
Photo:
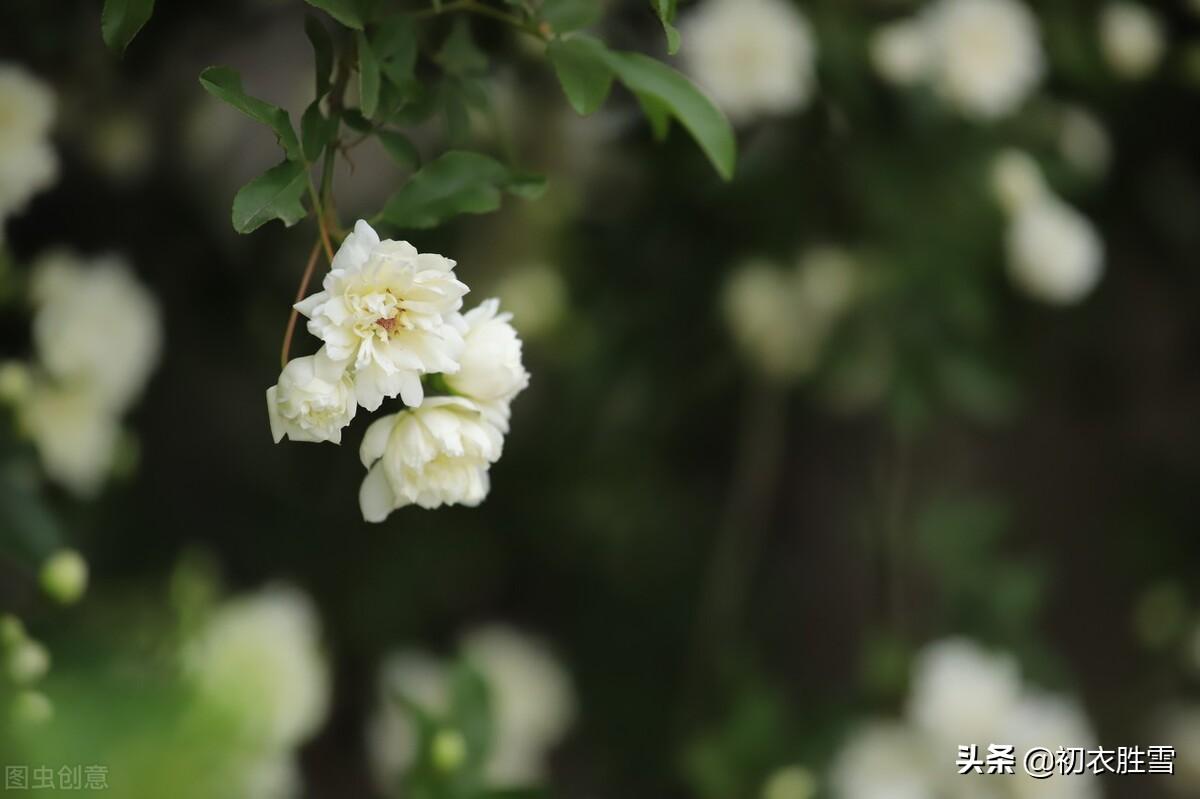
[65,576]
[448,750]
[27,662]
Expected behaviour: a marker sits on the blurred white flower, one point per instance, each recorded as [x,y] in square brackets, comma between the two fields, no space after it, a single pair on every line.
[385,309]
[1054,253]
[532,700]
[901,52]
[96,326]
[1050,721]
[533,704]
[882,760]
[433,455]
[791,782]
[1083,141]
[490,369]
[313,400]
[16,381]
[28,163]
[26,662]
[944,675]
[1017,180]
[780,318]
[755,57]
[275,776]
[537,297]
[986,55]
[75,434]
[258,661]
[416,677]
[1131,38]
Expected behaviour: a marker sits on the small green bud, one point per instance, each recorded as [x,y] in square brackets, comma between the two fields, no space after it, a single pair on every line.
[794,782]
[65,576]
[449,750]
[27,662]
[31,708]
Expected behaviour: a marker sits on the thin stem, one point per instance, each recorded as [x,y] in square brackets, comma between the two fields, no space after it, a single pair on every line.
[291,324]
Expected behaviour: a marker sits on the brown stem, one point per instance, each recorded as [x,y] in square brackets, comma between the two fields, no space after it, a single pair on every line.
[291,325]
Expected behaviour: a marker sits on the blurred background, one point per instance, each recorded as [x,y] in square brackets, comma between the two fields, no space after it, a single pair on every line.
[888,445]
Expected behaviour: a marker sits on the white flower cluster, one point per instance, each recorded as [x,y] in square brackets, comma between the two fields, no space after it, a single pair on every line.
[97,336]
[390,318]
[755,57]
[782,318]
[1055,254]
[28,163]
[1132,39]
[962,694]
[983,57]
[533,704]
[257,667]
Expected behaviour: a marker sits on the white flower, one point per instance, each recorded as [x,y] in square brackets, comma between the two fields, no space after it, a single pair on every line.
[75,434]
[258,661]
[755,57]
[1083,141]
[532,701]
[532,704]
[1054,252]
[901,52]
[490,369]
[415,677]
[313,401]
[28,164]
[276,776]
[882,760]
[947,671]
[1017,180]
[95,326]
[385,309]
[433,455]
[1047,720]
[781,318]
[986,55]
[1131,38]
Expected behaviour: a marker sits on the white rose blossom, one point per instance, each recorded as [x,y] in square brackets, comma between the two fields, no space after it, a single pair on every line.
[75,434]
[313,400]
[258,660]
[1054,252]
[947,671]
[984,57]
[385,310]
[1131,38]
[433,455]
[95,326]
[755,57]
[28,163]
[491,373]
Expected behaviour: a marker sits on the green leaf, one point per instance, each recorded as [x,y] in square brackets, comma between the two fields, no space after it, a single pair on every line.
[121,20]
[665,9]
[400,148]
[273,195]
[657,113]
[226,84]
[527,187]
[316,131]
[459,54]
[652,79]
[346,12]
[585,76]
[456,183]
[395,45]
[322,52]
[565,16]
[368,77]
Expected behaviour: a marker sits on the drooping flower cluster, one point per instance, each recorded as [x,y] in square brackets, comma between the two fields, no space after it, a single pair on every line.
[755,57]
[1055,254]
[887,758]
[532,704]
[390,319]
[983,57]
[28,162]
[97,336]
